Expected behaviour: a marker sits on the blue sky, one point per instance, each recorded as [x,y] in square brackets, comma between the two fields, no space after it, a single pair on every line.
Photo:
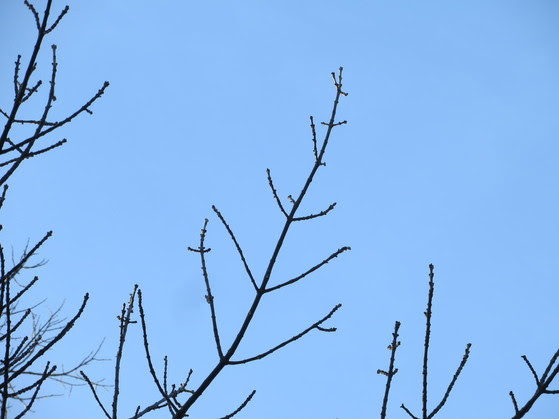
[449,157]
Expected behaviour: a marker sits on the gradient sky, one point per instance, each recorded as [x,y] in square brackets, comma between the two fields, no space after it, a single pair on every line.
[449,157]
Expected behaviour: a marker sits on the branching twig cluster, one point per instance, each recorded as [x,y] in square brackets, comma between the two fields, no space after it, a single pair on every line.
[24,336]
[425,414]
[226,352]
[542,384]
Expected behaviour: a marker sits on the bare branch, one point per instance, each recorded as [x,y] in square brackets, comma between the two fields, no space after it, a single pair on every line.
[226,359]
[320,214]
[35,14]
[532,370]
[454,378]
[391,370]
[241,407]
[35,153]
[209,296]
[515,404]
[428,315]
[403,406]
[58,19]
[92,387]
[542,386]
[275,193]
[163,392]
[239,250]
[124,318]
[12,272]
[49,344]
[292,339]
[37,385]
[314,268]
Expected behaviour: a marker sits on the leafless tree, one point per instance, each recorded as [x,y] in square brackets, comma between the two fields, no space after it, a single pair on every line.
[168,394]
[25,336]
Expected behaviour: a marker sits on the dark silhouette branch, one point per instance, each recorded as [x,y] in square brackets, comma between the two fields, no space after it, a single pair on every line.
[314,268]
[209,297]
[542,385]
[291,216]
[239,250]
[92,388]
[315,325]
[320,214]
[163,391]
[275,193]
[242,406]
[391,369]
[428,315]
[125,321]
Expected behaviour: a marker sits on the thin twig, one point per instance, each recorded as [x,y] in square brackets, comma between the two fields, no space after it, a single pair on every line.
[241,407]
[320,214]
[209,297]
[428,315]
[315,325]
[314,268]
[452,382]
[124,318]
[275,193]
[391,370]
[172,408]
[239,250]
[92,388]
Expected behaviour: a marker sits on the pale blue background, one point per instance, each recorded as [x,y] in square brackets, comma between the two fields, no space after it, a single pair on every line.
[450,157]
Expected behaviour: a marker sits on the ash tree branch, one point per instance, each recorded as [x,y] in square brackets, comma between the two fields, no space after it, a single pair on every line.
[275,193]
[12,272]
[125,321]
[92,388]
[239,250]
[320,214]
[48,345]
[209,297]
[35,153]
[290,218]
[453,381]
[46,374]
[428,315]
[391,370]
[542,385]
[314,268]
[241,407]
[316,325]
[170,404]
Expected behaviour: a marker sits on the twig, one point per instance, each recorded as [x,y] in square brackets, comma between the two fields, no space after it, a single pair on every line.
[124,323]
[320,214]
[428,315]
[314,268]
[172,408]
[315,325]
[275,193]
[209,297]
[241,407]
[239,250]
[92,388]
[391,370]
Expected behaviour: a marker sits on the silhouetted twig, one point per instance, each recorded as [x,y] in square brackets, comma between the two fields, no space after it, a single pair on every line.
[542,385]
[428,314]
[391,369]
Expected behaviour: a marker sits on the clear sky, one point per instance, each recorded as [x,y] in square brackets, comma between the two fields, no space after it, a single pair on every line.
[450,157]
